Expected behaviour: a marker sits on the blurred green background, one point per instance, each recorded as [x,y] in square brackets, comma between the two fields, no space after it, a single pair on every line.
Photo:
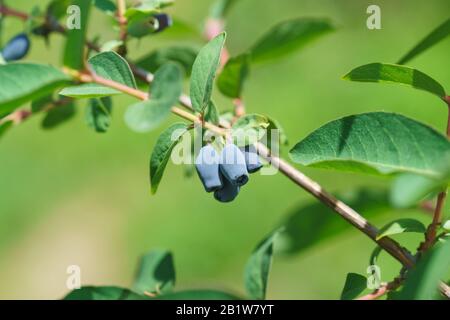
[71,196]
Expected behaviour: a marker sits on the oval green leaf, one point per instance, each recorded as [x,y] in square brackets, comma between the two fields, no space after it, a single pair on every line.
[74,51]
[162,151]
[204,71]
[199,295]
[103,293]
[155,274]
[422,281]
[98,114]
[22,82]
[377,142]
[231,80]
[355,284]
[166,90]
[391,73]
[289,36]
[437,35]
[401,226]
[257,269]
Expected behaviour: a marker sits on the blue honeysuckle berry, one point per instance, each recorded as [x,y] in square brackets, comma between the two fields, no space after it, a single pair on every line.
[233,166]
[228,192]
[16,48]
[251,159]
[163,21]
[207,165]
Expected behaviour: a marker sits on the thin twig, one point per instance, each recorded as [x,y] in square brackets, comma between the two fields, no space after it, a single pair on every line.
[123,25]
[430,234]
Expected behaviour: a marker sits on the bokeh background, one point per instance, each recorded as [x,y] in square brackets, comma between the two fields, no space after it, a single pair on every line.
[71,196]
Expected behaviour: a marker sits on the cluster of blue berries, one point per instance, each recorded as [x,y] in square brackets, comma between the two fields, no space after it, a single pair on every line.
[225,173]
[17,48]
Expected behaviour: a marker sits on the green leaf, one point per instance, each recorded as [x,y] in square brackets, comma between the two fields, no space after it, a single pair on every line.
[36,81]
[98,114]
[289,36]
[249,129]
[391,73]
[282,137]
[422,281]
[401,226]
[314,223]
[204,72]
[375,142]
[437,35]
[111,45]
[355,284]
[88,90]
[199,295]
[147,7]
[183,55]
[58,115]
[108,65]
[257,269]
[58,8]
[107,6]
[409,189]
[76,38]
[112,66]
[166,90]
[156,273]
[231,80]
[162,151]
[220,8]
[5,126]
[103,293]
[212,114]
[446,225]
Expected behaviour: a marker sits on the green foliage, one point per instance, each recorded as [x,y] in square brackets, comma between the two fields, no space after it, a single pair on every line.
[437,35]
[314,223]
[249,129]
[161,152]
[409,189]
[199,295]
[166,90]
[76,38]
[422,281]
[36,81]
[89,90]
[354,285]
[185,56]
[401,226]
[258,266]
[156,273]
[107,6]
[212,114]
[147,7]
[231,80]
[204,72]
[98,114]
[391,73]
[289,36]
[57,116]
[103,293]
[376,142]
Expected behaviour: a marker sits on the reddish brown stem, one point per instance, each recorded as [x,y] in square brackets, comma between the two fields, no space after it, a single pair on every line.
[7,11]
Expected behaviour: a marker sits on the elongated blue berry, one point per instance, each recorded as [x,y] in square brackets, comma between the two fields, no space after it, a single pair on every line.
[228,192]
[16,48]
[163,21]
[233,166]
[251,159]
[207,165]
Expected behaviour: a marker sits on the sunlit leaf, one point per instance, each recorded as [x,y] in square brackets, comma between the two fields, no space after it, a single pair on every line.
[396,74]
[376,142]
